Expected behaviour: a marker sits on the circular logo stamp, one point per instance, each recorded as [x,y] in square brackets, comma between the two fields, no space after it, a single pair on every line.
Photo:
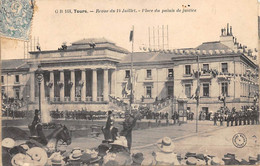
[239,140]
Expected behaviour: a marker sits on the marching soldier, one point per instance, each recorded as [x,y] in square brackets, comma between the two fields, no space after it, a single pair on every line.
[244,117]
[232,118]
[240,117]
[248,117]
[215,119]
[236,117]
[221,118]
[228,118]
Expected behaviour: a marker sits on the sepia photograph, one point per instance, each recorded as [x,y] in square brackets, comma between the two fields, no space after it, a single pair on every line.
[141,82]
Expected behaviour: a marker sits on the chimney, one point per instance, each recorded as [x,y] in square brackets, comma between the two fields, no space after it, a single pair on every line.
[231,30]
[227,29]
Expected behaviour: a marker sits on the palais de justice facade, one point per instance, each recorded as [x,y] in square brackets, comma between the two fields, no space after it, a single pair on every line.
[85,74]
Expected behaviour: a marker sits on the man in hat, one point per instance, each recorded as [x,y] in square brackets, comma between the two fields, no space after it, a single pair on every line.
[165,155]
[110,132]
[35,121]
[128,125]
[7,145]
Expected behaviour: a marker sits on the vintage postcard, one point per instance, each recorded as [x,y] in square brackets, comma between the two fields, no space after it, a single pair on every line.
[117,82]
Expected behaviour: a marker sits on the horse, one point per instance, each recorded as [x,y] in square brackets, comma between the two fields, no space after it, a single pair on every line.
[61,133]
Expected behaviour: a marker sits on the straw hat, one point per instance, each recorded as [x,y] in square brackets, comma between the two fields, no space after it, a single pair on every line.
[165,145]
[8,143]
[21,160]
[38,155]
[216,161]
[76,154]
[56,159]
[121,141]
[90,156]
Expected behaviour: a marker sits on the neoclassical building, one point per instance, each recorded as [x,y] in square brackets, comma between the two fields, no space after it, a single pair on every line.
[86,74]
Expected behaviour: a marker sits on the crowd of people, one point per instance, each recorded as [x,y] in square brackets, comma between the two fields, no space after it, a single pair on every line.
[114,150]
[247,115]
[78,114]
[11,108]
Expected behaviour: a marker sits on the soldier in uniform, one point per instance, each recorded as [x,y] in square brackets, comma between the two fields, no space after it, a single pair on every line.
[240,117]
[232,118]
[228,117]
[221,118]
[244,117]
[215,118]
[253,115]
[236,117]
[248,116]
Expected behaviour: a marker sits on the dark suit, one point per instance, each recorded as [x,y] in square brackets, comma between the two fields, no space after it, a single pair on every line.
[128,126]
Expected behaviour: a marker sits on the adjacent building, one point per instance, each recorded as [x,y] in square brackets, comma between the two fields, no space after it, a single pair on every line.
[89,72]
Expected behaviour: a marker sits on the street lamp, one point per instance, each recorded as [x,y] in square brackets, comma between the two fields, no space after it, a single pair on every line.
[39,77]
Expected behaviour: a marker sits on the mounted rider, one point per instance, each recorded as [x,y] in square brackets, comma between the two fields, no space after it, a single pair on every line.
[36,128]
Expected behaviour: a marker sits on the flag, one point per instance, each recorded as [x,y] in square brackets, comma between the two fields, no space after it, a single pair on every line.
[131,35]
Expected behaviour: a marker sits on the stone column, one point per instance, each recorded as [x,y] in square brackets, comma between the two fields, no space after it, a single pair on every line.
[62,87]
[94,85]
[83,90]
[113,82]
[72,90]
[105,83]
[32,86]
[52,87]
[42,92]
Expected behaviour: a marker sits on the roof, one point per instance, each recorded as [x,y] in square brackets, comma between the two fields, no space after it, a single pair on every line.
[99,43]
[148,57]
[215,45]
[92,40]
[14,64]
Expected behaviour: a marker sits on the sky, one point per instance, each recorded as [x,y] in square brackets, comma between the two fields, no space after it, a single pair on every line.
[185,30]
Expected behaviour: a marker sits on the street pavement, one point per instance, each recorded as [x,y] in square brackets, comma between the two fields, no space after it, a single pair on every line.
[213,140]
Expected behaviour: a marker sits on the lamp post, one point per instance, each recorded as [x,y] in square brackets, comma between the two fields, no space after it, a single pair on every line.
[39,77]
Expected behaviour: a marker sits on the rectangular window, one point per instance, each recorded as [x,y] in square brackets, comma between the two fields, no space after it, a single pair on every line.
[187,69]
[127,74]
[170,91]
[206,90]
[224,67]
[205,68]
[17,93]
[2,79]
[149,92]
[149,73]
[188,90]
[170,72]
[3,93]
[224,87]
[17,78]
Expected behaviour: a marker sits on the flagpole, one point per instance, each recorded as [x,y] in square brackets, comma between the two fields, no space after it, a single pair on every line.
[131,78]
[198,93]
